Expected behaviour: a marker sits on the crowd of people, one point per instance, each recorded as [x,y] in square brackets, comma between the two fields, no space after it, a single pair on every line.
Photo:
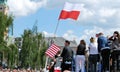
[18,70]
[104,55]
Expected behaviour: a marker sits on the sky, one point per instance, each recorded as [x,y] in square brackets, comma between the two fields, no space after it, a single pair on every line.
[96,16]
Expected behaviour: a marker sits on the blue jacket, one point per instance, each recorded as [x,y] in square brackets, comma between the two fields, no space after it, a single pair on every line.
[102,43]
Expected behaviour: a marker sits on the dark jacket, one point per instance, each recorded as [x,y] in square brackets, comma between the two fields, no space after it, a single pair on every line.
[81,49]
[67,53]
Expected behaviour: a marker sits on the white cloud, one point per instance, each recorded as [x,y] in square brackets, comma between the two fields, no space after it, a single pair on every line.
[103,20]
[95,9]
[92,32]
[24,7]
[70,35]
[105,12]
[46,34]
[86,14]
[86,35]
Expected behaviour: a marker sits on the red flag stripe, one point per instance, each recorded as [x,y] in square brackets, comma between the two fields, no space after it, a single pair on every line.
[71,14]
[50,54]
[55,48]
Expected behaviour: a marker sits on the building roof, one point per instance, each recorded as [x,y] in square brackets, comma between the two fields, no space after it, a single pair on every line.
[59,41]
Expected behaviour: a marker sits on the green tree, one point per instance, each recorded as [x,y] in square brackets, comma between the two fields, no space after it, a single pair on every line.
[42,46]
[33,49]
[12,56]
[5,22]
[26,48]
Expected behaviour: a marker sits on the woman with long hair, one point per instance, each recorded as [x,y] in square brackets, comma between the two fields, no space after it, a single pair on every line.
[80,57]
[115,47]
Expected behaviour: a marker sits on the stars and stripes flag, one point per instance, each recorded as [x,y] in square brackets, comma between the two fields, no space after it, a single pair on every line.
[52,50]
[70,10]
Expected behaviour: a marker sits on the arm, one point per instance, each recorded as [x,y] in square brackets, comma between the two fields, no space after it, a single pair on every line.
[98,41]
[63,52]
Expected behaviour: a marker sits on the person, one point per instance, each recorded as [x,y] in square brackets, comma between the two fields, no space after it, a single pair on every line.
[115,53]
[67,55]
[80,57]
[57,64]
[51,69]
[104,50]
[73,62]
[93,55]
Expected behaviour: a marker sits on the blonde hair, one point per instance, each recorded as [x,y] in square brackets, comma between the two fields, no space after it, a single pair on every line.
[92,39]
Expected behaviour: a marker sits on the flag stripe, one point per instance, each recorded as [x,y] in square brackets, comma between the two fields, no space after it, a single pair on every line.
[52,50]
[69,7]
[70,11]
[50,54]
[71,14]
[56,47]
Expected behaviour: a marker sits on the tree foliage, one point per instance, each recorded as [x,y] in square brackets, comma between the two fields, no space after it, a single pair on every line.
[5,22]
[33,49]
[13,56]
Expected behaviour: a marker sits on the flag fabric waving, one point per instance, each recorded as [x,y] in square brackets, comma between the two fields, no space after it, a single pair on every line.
[52,50]
[70,11]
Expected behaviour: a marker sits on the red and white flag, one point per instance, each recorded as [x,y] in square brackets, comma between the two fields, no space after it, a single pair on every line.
[70,11]
[52,50]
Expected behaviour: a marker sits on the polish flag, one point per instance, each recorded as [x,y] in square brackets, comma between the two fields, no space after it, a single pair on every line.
[70,11]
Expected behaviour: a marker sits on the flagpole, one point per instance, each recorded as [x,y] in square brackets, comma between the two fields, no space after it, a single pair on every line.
[46,64]
[56,28]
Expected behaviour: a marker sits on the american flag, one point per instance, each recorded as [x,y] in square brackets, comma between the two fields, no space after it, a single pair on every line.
[52,50]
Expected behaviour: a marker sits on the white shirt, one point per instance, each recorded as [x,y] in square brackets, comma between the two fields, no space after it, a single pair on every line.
[93,48]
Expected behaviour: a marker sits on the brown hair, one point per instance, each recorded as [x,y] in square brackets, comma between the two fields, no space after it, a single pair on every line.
[82,42]
[116,32]
[118,35]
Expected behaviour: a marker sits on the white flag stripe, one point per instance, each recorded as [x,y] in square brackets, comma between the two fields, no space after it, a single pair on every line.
[55,47]
[50,54]
[72,7]
[50,51]
[53,51]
